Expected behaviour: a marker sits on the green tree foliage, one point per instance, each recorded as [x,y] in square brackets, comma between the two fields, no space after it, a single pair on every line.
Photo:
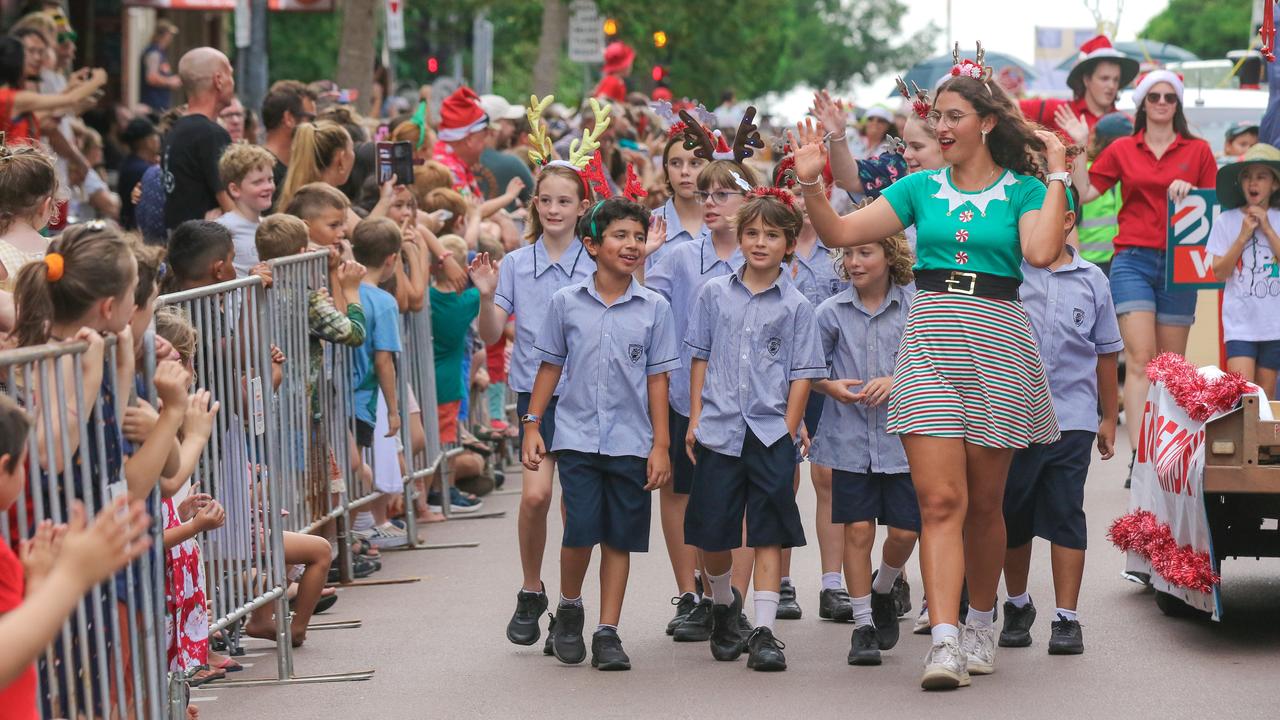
[755,46]
[1208,28]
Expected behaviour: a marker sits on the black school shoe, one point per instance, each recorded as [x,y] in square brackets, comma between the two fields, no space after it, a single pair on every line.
[765,651]
[901,593]
[607,652]
[1016,631]
[1066,637]
[726,635]
[551,630]
[697,626]
[523,628]
[684,605]
[835,605]
[788,608]
[566,637]
[884,618]
[744,629]
[864,646]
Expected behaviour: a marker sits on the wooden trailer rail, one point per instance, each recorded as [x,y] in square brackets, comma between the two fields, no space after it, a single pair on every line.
[1242,451]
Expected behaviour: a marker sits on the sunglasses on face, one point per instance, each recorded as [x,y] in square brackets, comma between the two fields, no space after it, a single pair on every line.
[68,36]
[1167,98]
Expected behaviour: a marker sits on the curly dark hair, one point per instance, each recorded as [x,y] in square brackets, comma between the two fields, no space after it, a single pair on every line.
[1013,140]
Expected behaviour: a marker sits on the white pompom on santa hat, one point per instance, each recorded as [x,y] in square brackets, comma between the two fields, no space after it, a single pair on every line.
[461,115]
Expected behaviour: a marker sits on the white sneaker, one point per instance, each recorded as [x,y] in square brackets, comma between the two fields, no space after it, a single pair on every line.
[922,622]
[978,643]
[944,666]
[388,536]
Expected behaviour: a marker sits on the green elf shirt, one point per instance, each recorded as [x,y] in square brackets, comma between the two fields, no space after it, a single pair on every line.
[968,231]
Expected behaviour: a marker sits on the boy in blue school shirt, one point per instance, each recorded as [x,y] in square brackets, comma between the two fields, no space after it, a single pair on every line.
[1069,304]
[614,341]
[755,349]
[375,243]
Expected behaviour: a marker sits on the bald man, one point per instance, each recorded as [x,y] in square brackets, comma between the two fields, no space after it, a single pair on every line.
[194,145]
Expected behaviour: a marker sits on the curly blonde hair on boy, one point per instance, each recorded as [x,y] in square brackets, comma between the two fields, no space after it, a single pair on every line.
[897,254]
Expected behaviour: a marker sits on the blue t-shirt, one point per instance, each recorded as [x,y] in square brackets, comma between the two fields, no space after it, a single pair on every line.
[382,334]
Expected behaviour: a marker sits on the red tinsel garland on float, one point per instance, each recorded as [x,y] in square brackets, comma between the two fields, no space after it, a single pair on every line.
[1201,398]
[1142,533]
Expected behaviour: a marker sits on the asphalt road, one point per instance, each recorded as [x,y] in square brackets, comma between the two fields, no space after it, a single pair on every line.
[439,650]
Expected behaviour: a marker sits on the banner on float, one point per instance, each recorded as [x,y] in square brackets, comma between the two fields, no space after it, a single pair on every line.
[1187,264]
[1168,481]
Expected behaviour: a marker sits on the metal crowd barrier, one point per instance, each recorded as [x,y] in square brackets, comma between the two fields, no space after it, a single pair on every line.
[110,658]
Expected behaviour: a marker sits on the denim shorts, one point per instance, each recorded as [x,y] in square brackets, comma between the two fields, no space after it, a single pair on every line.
[1266,352]
[1138,285]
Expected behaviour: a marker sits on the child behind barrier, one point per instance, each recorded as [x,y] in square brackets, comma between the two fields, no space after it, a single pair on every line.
[246,172]
[202,253]
[28,199]
[58,565]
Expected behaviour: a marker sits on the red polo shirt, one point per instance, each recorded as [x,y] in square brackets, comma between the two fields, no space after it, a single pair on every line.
[1144,183]
[1042,110]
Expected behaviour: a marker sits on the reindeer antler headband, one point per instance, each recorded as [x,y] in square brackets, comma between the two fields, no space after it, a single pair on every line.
[921,105]
[702,145]
[976,68]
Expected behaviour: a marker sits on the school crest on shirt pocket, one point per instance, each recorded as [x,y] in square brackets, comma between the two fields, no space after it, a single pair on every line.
[773,346]
[1077,316]
[635,352]
[834,286]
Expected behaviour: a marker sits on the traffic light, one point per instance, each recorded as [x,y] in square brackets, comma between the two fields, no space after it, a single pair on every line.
[433,65]
[659,39]
[610,27]
[659,73]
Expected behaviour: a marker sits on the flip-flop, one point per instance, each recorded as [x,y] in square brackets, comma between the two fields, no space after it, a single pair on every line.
[229,665]
[204,674]
[325,603]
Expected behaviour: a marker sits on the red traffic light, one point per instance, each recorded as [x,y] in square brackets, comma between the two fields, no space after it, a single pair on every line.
[659,73]
[433,65]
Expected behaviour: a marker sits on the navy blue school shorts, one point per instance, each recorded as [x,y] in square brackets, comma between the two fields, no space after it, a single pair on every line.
[1044,495]
[887,497]
[604,500]
[813,412]
[757,485]
[548,424]
[681,465]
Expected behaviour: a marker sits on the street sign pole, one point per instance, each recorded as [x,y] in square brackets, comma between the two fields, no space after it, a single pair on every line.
[586,39]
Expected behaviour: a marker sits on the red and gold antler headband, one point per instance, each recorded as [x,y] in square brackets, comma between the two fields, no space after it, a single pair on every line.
[921,105]
[976,68]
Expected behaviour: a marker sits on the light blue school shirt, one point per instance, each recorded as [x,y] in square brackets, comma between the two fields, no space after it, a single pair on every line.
[676,233]
[859,344]
[526,281]
[679,278]
[755,345]
[608,353]
[1074,321]
[815,275]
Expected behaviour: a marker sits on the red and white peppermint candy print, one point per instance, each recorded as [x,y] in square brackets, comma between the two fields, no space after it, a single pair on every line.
[962,257]
[966,216]
[962,235]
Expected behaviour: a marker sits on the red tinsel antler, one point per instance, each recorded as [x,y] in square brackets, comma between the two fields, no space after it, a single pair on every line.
[1268,31]
[634,189]
[593,174]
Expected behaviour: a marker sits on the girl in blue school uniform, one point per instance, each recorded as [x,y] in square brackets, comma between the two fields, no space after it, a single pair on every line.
[754,345]
[527,279]
[683,211]
[861,328]
[613,341]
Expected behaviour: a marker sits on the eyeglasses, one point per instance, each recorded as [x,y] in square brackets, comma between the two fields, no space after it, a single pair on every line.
[1167,98]
[949,119]
[719,197]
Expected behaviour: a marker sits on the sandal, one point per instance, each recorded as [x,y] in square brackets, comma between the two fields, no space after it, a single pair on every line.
[228,664]
[204,674]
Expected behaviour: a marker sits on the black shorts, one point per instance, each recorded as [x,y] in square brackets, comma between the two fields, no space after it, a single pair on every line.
[364,434]
[1044,495]
[887,497]
[681,465]
[757,485]
[548,424]
[604,500]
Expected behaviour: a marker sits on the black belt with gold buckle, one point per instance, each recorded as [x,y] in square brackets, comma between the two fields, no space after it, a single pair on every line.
[960,282]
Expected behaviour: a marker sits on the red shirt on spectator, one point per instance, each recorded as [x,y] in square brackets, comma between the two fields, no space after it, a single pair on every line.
[612,87]
[496,360]
[1144,183]
[22,127]
[464,181]
[17,700]
[1042,110]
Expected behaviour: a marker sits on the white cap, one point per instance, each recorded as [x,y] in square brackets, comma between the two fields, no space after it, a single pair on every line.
[1151,79]
[497,108]
[877,111]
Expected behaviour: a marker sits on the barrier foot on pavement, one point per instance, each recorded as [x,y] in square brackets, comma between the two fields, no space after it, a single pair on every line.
[297,680]
[434,546]
[335,625]
[479,515]
[374,583]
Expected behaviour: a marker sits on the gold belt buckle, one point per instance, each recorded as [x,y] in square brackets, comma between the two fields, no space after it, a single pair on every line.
[957,277]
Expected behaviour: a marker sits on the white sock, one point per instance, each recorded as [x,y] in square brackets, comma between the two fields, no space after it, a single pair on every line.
[766,608]
[861,610]
[786,581]
[1020,601]
[886,576]
[939,632]
[832,581]
[364,521]
[602,626]
[721,588]
[1065,614]
[570,602]
[979,618]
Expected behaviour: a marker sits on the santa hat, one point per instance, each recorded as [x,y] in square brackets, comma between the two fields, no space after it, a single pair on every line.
[461,115]
[1095,50]
[1151,79]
